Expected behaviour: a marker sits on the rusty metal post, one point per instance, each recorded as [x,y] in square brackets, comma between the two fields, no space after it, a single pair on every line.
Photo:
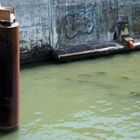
[9,77]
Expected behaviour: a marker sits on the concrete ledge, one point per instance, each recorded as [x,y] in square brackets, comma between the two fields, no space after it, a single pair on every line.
[66,54]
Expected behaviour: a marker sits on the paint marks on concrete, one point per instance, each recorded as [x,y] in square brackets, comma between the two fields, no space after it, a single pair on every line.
[135,19]
[76,23]
[80,23]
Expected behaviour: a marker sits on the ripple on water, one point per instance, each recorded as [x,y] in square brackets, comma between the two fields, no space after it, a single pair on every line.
[85,75]
[90,100]
[135,93]
[125,78]
[101,73]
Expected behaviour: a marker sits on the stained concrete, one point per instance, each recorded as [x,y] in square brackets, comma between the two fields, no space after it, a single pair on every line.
[33,16]
[69,23]
[78,22]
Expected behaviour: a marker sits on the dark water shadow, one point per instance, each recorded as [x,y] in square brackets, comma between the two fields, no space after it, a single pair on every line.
[14,134]
[134,93]
[125,78]
[85,75]
[37,64]
[101,73]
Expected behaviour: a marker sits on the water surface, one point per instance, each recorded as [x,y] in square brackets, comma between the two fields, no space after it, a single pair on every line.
[96,99]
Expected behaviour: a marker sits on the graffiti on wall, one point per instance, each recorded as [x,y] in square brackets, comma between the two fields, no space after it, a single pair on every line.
[136,19]
[108,7]
[90,22]
[83,22]
[137,12]
[112,8]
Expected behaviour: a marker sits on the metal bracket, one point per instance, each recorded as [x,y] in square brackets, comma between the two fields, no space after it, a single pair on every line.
[7,15]
[122,34]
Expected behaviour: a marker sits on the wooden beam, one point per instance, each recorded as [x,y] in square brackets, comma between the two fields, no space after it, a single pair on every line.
[5,13]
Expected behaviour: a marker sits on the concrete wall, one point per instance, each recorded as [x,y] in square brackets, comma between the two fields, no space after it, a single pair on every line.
[61,23]
[33,16]
[78,22]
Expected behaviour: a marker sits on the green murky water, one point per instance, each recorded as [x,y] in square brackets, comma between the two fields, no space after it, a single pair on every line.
[86,100]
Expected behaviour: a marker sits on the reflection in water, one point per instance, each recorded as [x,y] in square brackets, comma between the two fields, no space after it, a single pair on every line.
[87,100]
[10,136]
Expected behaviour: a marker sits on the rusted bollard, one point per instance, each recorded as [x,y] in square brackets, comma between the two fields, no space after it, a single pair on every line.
[9,77]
